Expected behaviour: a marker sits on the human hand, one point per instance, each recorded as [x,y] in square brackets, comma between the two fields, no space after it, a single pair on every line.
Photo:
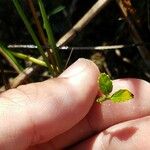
[62,112]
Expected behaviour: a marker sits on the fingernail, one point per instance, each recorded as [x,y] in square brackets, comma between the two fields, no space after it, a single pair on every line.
[75,68]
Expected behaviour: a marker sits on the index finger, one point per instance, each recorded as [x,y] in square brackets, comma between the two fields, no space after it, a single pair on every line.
[103,116]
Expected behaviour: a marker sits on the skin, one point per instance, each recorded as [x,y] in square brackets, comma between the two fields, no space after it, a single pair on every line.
[62,112]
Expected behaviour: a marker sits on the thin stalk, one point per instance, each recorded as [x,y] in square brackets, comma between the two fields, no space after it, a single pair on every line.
[33,35]
[41,33]
[10,58]
[37,22]
[50,35]
[29,58]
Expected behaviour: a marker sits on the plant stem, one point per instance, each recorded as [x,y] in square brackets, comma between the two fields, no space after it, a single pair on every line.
[101,99]
[41,32]
[11,59]
[29,58]
[30,30]
[49,32]
[37,22]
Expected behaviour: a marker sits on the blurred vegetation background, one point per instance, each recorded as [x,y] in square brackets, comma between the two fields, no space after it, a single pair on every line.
[124,23]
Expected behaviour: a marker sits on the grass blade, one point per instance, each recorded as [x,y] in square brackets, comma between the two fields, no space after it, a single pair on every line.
[33,35]
[11,59]
[49,32]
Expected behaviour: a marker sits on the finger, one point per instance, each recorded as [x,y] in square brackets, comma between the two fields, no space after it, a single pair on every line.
[110,113]
[103,116]
[133,135]
[40,111]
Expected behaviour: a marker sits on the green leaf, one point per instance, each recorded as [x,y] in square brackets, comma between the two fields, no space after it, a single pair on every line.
[121,96]
[105,83]
[56,10]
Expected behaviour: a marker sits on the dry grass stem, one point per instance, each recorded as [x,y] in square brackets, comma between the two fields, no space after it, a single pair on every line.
[93,11]
[144,52]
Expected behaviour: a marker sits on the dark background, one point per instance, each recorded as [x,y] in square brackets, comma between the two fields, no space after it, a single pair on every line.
[109,27]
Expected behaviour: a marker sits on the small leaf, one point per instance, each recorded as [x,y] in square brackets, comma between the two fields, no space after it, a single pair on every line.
[121,96]
[105,83]
[56,10]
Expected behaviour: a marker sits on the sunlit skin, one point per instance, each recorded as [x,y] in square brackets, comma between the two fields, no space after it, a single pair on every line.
[62,112]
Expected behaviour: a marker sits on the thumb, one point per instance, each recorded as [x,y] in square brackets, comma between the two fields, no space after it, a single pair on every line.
[35,113]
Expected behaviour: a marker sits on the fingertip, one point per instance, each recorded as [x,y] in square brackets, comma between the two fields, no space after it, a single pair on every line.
[78,66]
[82,76]
[110,113]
